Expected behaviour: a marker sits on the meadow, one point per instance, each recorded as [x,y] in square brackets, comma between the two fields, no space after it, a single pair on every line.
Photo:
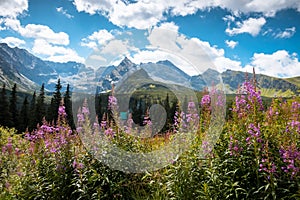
[257,156]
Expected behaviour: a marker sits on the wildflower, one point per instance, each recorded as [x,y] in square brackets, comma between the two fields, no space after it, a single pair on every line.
[62,111]
[290,156]
[191,105]
[109,132]
[267,167]
[112,102]
[205,101]
[85,110]
[96,125]
[254,131]
[80,116]
[76,165]
[234,147]
[103,124]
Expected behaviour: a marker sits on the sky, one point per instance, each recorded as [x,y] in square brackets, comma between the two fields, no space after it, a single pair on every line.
[194,34]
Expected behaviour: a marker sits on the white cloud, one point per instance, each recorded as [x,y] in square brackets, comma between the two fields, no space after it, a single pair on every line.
[199,55]
[269,8]
[251,26]
[64,12]
[278,64]
[231,44]
[287,33]
[92,6]
[100,37]
[89,44]
[192,55]
[140,15]
[38,31]
[97,57]
[13,41]
[144,14]
[116,47]
[13,8]
[109,52]
[229,18]
[55,53]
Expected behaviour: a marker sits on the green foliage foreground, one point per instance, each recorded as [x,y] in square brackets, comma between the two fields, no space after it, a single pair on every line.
[256,157]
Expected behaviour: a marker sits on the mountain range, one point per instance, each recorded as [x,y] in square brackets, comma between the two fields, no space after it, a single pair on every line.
[29,72]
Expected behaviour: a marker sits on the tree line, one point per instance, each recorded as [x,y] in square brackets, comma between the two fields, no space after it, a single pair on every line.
[139,105]
[34,110]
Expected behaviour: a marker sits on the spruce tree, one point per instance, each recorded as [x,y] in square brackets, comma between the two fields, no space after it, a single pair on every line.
[167,109]
[32,109]
[57,99]
[68,106]
[50,111]
[173,109]
[13,107]
[40,106]
[5,115]
[24,116]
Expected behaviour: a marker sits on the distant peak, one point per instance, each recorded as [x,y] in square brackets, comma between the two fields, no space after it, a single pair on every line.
[165,62]
[210,70]
[126,60]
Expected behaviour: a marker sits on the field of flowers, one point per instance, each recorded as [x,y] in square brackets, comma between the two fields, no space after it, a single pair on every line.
[257,156]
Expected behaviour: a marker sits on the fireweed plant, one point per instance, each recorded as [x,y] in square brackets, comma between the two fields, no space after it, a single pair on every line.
[257,155]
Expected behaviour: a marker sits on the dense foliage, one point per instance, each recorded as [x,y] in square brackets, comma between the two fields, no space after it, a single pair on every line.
[256,157]
[20,111]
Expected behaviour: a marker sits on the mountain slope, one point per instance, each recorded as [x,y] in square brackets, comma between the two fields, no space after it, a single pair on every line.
[270,86]
[167,72]
[29,72]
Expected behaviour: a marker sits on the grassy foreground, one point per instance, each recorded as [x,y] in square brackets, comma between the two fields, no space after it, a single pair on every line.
[257,156]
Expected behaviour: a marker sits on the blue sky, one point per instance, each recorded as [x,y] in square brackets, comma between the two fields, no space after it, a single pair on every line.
[235,35]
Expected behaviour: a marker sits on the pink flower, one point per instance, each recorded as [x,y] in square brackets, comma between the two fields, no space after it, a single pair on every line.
[62,111]
[205,101]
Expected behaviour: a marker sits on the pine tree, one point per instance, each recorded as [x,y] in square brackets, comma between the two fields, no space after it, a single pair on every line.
[68,106]
[57,99]
[40,106]
[167,108]
[24,116]
[173,109]
[13,107]
[32,119]
[50,111]
[5,115]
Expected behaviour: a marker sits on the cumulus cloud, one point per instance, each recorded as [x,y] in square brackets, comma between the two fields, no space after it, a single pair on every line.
[116,47]
[38,31]
[229,18]
[287,33]
[140,15]
[198,55]
[64,12]
[100,37]
[13,41]
[145,13]
[192,55]
[251,26]
[55,53]
[278,64]
[13,8]
[231,44]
